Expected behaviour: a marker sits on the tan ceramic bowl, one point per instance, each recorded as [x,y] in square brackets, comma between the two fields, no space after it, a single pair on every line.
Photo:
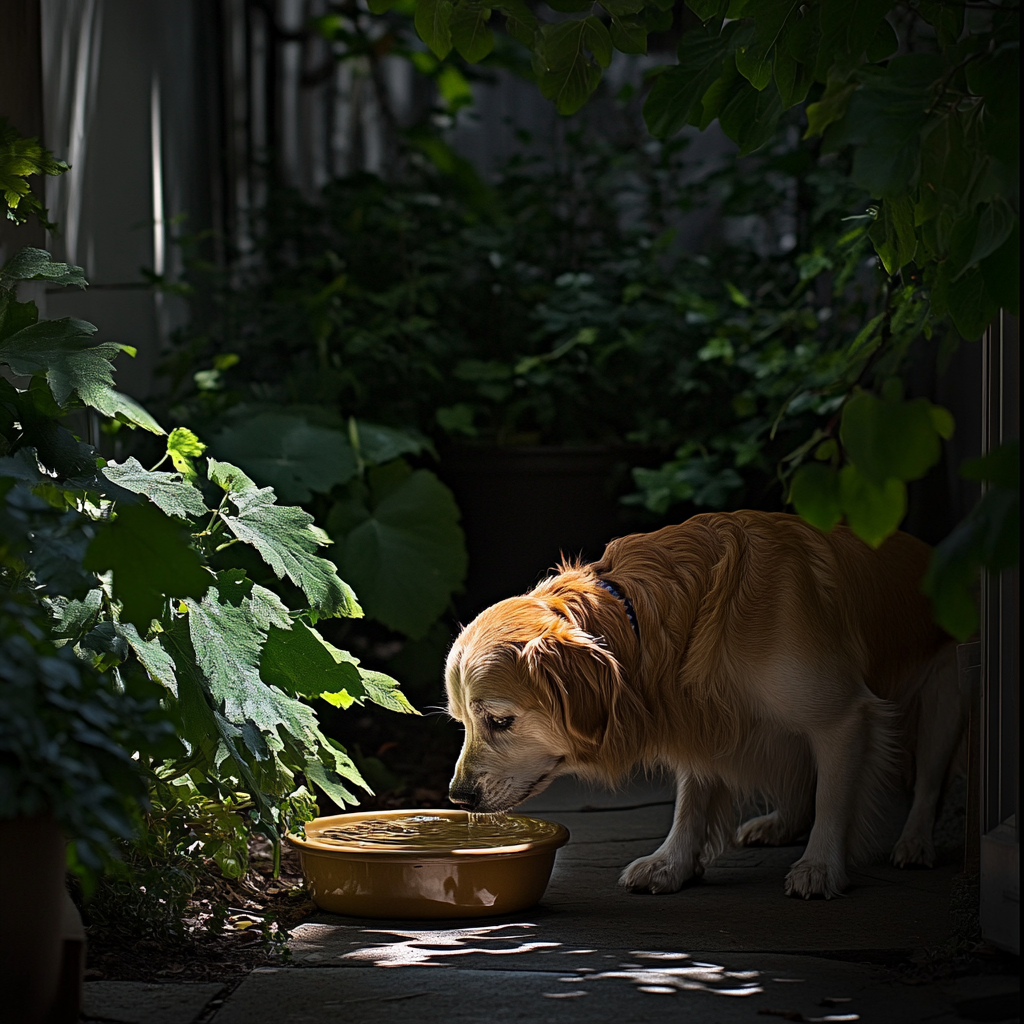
[463,870]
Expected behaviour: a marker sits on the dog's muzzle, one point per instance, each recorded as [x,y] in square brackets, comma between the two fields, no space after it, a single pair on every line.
[467,799]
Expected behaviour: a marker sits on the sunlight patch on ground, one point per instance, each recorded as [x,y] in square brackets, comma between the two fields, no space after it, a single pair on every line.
[430,947]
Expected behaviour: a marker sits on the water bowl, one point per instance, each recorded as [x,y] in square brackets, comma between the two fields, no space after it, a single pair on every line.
[427,863]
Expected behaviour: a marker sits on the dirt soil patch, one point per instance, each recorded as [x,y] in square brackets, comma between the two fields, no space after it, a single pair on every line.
[407,759]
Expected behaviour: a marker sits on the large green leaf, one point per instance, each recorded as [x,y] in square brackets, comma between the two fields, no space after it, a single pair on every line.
[74,363]
[571,54]
[755,60]
[890,439]
[285,451]
[166,490]
[872,512]
[383,690]
[286,540]
[156,661]
[884,121]
[433,25]
[847,29]
[470,33]
[750,117]
[30,264]
[151,558]
[675,97]
[228,646]
[815,495]
[408,556]
[301,662]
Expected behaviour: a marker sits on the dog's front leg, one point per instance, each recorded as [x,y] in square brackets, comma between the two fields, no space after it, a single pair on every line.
[840,754]
[678,859]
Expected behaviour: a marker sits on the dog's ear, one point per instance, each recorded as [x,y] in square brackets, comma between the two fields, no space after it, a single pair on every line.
[587,691]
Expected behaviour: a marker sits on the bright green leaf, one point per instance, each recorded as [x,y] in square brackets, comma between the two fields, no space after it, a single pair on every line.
[229,478]
[166,490]
[155,660]
[383,690]
[183,446]
[286,540]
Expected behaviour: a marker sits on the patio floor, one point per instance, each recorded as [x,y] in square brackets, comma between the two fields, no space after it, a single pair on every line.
[731,948]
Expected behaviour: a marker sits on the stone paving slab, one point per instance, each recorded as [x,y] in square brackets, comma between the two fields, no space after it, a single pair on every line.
[738,905]
[712,988]
[137,1002]
[593,952]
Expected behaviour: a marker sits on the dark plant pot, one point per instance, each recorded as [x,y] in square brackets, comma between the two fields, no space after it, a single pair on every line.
[33,898]
[523,508]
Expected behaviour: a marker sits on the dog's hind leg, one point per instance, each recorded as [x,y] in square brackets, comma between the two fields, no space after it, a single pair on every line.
[943,713]
[791,793]
[781,827]
[700,831]
[856,758]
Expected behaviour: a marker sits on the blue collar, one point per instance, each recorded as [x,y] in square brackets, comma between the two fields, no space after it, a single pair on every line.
[626,604]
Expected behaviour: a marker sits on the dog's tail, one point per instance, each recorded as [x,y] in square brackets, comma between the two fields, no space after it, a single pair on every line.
[880,776]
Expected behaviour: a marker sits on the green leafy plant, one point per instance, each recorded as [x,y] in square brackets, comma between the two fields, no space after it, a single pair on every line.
[20,158]
[67,735]
[924,100]
[196,580]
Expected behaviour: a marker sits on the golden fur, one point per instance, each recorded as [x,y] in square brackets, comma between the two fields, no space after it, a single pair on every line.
[772,660]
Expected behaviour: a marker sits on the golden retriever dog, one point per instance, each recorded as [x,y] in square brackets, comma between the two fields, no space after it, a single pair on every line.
[748,654]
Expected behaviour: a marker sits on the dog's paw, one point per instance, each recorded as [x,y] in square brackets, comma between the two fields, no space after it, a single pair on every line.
[766,830]
[809,878]
[659,873]
[914,851]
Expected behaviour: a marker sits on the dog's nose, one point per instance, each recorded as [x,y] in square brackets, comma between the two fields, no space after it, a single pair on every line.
[467,799]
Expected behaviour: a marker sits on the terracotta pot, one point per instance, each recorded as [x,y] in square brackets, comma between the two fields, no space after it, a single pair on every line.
[32,912]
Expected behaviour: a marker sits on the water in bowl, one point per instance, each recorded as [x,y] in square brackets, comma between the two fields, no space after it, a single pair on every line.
[425,831]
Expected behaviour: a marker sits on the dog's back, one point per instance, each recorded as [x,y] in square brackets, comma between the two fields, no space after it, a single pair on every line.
[756,579]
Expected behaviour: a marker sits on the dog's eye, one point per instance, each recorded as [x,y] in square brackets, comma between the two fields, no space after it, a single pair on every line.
[500,724]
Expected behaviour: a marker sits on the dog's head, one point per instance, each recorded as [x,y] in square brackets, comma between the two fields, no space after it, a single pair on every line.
[539,696]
